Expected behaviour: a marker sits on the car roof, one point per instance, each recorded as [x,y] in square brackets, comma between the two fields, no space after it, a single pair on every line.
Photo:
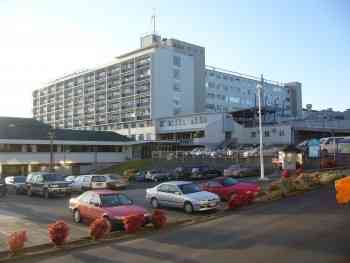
[103,192]
[178,182]
[91,175]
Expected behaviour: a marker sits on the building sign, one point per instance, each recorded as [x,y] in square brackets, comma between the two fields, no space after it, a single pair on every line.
[314,148]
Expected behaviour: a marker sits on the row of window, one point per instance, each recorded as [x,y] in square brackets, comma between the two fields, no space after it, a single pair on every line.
[267,133]
[183,121]
[58,148]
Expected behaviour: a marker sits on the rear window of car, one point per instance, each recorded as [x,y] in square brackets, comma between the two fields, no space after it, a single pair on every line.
[98,179]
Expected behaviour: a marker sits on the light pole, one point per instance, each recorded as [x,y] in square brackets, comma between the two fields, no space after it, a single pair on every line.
[51,136]
[259,88]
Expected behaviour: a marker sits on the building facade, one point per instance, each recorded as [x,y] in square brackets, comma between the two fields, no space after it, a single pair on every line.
[163,78]
[25,146]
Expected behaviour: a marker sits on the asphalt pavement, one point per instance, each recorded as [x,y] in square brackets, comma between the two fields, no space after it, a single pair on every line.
[305,228]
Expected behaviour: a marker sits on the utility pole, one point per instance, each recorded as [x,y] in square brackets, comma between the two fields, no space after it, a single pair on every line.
[259,88]
[51,137]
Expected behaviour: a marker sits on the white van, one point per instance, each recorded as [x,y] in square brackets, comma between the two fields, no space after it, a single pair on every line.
[89,182]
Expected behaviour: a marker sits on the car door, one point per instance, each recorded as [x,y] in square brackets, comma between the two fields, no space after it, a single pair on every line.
[38,182]
[83,205]
[162,194]
[95,210]
[85,183]
[76,185]
[174,196]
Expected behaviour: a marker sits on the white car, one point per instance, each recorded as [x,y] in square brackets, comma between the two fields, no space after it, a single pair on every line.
[89,182]
[182,194]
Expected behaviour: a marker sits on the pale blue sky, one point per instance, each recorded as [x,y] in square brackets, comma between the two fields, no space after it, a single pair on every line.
[306,41]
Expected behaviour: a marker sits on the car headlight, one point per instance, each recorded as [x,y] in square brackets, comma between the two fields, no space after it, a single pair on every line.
[53,185]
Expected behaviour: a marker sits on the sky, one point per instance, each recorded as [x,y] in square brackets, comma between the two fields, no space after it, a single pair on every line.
[305,41]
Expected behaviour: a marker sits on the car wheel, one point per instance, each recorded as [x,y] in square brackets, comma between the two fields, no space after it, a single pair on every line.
[76,216]
[188,208]
[111,227]
[29,192]
[154,203]
[46,194]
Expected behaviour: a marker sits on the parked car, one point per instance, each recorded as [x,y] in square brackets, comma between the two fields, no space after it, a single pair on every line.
[109,204]
[198,171]
[205,174]
[3,188]
[225,187]
[237,170]
[212,173]
[16,184]
[190,171]
[115,181]
[182,194]
[46,184]
[89,182]
[267,151]
[157,175]
[140,176]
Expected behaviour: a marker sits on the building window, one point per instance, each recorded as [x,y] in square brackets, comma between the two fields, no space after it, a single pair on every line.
[267,133]
[176,74]
[253,134]
[161,124]
[177,61]
[281,132]
[141,137]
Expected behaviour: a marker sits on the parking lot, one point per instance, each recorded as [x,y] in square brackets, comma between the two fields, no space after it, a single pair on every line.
[33,214]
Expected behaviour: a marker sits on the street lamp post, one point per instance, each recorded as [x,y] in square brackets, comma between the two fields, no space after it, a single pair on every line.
[259,88]
[51,137]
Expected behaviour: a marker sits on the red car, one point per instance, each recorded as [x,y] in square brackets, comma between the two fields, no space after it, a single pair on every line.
[225,187]
[110,204]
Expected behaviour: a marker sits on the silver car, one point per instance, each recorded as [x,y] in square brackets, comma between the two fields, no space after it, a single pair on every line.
[182,194]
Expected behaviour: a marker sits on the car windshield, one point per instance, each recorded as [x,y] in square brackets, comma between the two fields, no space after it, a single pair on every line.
[53,177]
[189,188]
[20,179]
[229,181]
[98,179]
[109,200]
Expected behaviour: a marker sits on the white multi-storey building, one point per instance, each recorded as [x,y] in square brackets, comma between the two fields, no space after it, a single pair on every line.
[163,78]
